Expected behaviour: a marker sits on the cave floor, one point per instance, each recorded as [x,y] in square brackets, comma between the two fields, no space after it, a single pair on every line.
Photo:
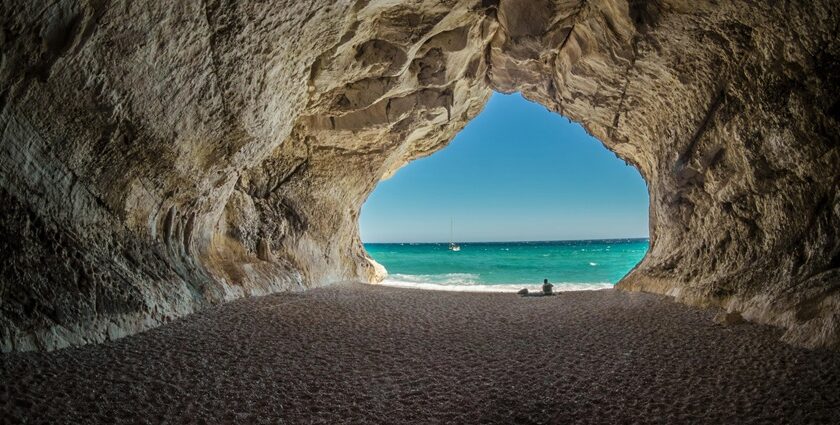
[368,354]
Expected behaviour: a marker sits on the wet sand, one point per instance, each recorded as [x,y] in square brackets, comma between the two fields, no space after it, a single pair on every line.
[367,354]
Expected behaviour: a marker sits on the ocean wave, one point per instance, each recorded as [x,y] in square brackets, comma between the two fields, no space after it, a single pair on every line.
[469,285]
[441,279]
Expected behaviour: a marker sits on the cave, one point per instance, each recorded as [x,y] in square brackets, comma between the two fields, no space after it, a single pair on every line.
[159,158]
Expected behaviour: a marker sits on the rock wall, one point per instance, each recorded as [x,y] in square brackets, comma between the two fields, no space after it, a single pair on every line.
[159,157]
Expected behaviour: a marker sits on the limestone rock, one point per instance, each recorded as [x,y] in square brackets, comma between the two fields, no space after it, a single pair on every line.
[729,318]
[159,157]
[379,272]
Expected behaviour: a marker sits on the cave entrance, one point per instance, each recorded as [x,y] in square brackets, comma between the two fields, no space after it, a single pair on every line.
[525,194]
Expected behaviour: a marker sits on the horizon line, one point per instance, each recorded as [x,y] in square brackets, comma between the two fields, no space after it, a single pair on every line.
[511,241]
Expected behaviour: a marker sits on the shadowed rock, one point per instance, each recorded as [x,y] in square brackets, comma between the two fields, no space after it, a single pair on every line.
[161,157]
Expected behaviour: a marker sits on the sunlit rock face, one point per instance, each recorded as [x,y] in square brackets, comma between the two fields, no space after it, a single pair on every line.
[160,157]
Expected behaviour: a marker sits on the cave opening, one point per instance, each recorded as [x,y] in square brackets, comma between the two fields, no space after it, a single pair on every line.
[146,189]
[521,194]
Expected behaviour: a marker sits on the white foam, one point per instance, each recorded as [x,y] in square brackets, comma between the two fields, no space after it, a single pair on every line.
[440,279]
[504,288]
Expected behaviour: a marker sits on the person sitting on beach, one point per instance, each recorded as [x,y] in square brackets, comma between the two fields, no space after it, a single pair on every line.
[547,288]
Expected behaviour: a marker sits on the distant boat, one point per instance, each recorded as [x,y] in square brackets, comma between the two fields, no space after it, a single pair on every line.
[452,245]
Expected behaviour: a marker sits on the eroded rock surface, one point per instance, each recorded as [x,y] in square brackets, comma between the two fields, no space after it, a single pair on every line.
[158,157]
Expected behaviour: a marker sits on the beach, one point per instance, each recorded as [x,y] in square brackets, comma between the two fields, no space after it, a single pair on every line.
[354,353]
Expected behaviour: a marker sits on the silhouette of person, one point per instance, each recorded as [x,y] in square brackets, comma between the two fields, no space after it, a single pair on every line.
[547,288]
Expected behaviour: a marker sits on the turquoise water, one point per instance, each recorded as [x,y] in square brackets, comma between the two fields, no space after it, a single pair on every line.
[506,266]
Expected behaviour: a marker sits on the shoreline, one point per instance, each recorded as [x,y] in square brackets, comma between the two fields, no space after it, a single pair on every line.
[502,288]
[558,241]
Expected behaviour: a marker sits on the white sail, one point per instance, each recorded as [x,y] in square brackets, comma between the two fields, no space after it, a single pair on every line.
[452,245]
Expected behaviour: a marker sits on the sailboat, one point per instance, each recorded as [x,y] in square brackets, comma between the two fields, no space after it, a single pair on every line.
[452,245]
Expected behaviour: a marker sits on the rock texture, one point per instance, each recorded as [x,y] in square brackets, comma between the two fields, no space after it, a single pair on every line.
[158,157]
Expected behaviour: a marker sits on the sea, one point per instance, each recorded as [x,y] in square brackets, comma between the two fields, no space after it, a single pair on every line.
[509,266]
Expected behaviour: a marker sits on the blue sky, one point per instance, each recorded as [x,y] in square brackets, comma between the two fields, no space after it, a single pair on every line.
[517,172]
